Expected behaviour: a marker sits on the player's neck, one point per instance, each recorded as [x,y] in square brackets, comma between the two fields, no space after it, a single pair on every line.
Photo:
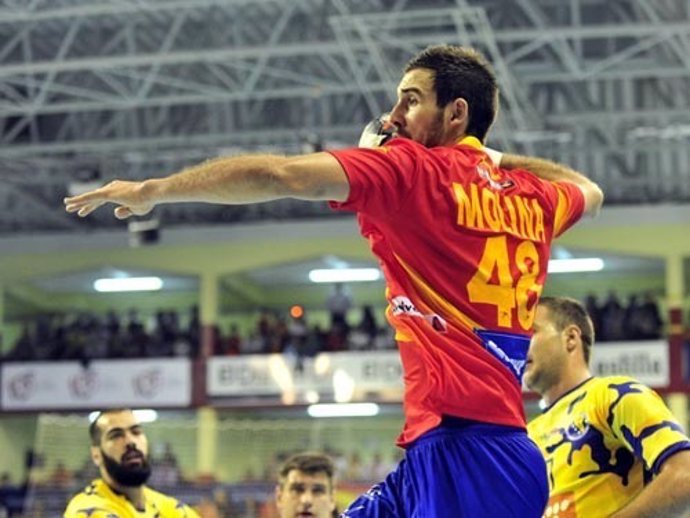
[567,382]
[134,494]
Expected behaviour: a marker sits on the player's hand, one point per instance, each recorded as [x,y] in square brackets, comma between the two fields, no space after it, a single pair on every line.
[129,196]
[377,132]
[495,155]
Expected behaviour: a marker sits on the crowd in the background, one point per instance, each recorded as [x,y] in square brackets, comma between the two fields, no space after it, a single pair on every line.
[637,318]
[87,336]
[275,333]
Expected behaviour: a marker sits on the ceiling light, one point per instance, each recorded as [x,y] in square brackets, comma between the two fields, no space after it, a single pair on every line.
[343,410]
[345,275]
[128,284]
[584,264]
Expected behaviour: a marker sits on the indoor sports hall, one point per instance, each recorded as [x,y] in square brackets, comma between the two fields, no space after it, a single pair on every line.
[243,334]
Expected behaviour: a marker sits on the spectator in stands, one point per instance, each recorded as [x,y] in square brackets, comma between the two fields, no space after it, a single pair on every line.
[167,472]
[355,468]
[368,322]
[612,319]
[339,304]
[651,323]
[377,468]
[306,487]
[232,345]
[61,476]
[119,448]
[23,349]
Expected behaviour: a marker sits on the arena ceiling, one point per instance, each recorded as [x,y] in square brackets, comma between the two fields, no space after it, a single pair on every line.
[94,90]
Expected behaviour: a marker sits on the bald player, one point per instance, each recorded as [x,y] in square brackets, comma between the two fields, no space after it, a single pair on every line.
[120,450]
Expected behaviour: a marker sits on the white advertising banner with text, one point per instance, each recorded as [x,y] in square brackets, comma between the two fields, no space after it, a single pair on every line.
[161,382]
[341,375]
[349,376]
[646,361]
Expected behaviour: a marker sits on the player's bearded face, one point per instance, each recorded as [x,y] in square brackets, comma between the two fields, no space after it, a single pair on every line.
[131,470]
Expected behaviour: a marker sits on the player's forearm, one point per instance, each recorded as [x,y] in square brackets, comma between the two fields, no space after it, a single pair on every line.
[667,496]
[245,179]
[554,172]
[544,169]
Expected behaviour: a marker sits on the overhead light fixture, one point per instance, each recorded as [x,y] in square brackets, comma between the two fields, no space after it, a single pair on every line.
[674,131]
[575,265]
[331,275]
[128,284]
[343,410]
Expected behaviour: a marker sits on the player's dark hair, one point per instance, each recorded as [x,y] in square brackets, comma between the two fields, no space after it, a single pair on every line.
[310,463]
[95,431]
[462,72]
[564,312]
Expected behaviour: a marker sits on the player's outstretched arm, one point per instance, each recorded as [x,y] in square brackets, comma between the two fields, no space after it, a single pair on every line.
[548,170]
[232,180]
[667,496]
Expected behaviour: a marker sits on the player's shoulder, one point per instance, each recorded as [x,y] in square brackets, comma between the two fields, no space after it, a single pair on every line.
[169,505]
[613,383]
[613,390]
[90,502]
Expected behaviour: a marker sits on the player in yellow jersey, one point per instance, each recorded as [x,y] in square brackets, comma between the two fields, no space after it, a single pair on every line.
[120,450]
[612,447]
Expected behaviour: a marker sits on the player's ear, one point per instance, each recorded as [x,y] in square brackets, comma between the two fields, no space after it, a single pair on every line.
[459,111]
[573,337]
[96,456]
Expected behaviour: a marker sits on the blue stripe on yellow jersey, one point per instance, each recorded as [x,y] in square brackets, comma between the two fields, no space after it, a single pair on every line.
[603,441]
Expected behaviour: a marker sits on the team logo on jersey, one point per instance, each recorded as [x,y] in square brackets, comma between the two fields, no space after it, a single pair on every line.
[403,306]
[578,428]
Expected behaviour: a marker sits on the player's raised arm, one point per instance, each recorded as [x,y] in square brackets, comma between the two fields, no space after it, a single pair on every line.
[232,180]
[552,171]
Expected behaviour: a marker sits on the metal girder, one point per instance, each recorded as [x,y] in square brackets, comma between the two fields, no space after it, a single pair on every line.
[122,84]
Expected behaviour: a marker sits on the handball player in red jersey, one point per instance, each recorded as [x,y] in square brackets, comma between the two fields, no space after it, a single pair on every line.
[462,234]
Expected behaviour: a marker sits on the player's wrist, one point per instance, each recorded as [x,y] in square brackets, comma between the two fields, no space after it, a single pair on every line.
[152,190]
[495,155]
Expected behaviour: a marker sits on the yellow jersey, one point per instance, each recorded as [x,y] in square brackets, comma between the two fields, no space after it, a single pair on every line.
[603,441]
[98,500]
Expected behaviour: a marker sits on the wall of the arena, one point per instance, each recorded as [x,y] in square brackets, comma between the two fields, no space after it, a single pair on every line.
[17,436]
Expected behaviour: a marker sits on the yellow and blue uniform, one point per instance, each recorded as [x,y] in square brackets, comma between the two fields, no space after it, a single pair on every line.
[603,441]
[98,500]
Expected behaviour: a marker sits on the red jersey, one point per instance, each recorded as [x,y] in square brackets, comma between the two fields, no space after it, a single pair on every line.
[464,248]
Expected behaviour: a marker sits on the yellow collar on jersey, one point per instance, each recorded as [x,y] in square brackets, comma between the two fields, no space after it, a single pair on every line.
[472,142]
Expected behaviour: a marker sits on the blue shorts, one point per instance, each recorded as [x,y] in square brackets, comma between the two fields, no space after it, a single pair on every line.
[462,469]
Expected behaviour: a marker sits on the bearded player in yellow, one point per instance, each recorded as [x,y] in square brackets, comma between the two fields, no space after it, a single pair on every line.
[120,450]
[612,447]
